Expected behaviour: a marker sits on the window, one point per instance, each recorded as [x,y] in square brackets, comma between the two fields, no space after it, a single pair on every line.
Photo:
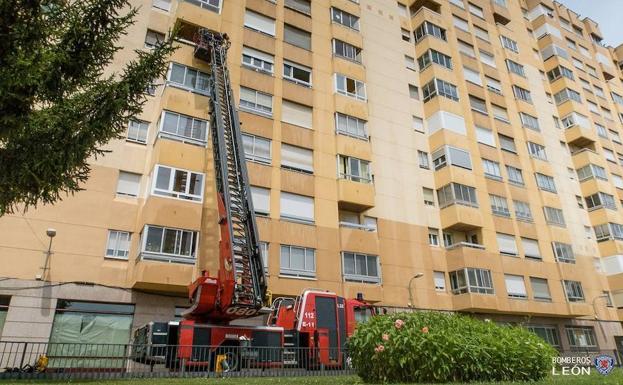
[563,252]
[578,64]
[592,71]
[423,158]
[303,6]
[458,3]
[345,18]
[256,149]
[485,136]
[492,169]
[593,107]
[259,22]
[573,290]
[439,280]
[361,267]
[4,309]
[439,87]
[256,101]
[410,63]
[432,56]
[509,44]
[460,23]
[466,49]
[515,175]
[472,76]
[522,211]
[260,197]
[499,205]
[297,207]
[522,94]
[500,113]
[349,125]
[487,58]
[453,156]
[212,5]
[296,114]
[164,5]
[599,200]
[540,289]
[429,196]
[177,183]
[558,72]
[406,35]
[567,94]
[297,73]
[582,337]
[354,169]
[545,182]
[575,119]
[515,67]
[529,121]
[494,85]
[402,10]
[554,216]
[417,123]
[455,193]
[128,183]
[414,93]
[617,98]
[77,322]
[476,10]
[153,38]
[531,248]
[470,280]
[428,28]
[346,51]
[188,78]
[118,244]
[137,131]
[608,231]
[515,286]
[297,261]
[433,236]
[507,143]
[506,244]
[478,104]
[169,244]
[297,158]
[481,33]
[617,180]
[183,127]
[537,151]
[296,37]
[571,44]
[350,87]
[609,155]
[591,171]
[599,92]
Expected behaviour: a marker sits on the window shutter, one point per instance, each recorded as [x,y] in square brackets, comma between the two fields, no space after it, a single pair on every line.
[128,183]
[460,158]
[485,136]
[297,114]
[515,285]
[440,280]
[297,157]
[506,244]
[297,37]
[540,288]
[261,199]
[257,54]
[259,22]
[531,248]
[297,206]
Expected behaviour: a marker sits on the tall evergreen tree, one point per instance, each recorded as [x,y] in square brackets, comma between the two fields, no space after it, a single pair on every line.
[58,103]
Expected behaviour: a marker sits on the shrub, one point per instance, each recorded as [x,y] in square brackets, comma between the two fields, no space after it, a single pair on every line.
[440,347]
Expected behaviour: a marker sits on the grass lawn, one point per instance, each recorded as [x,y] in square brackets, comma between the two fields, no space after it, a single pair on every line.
[614,378]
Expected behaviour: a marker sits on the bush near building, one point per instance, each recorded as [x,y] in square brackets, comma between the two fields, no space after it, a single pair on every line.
[440,347]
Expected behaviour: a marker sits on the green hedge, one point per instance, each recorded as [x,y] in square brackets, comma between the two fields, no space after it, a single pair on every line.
[441,347]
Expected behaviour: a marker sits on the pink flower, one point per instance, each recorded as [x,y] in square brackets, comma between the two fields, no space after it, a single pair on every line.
[379,348]
[385,337]
[398,323]
[425,329]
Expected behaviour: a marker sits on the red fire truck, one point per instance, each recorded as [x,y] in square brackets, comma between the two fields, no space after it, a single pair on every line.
[309,330]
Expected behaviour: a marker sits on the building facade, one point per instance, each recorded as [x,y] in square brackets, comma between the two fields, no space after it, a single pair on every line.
[475,142]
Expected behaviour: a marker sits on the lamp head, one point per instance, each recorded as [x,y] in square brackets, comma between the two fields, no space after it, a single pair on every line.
[50,232]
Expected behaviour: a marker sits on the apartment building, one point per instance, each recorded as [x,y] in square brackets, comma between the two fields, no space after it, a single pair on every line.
[476,142]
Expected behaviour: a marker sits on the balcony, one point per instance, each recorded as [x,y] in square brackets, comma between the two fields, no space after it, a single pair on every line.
[501,14]
[159,277]
[580,136]
[355,196]
[459,217]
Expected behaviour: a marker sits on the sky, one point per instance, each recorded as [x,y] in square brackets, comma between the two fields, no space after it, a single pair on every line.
[607,13]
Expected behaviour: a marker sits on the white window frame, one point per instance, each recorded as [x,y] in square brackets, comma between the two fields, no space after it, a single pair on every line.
[306,271]
[253,106]
[159,255]
[362,278]
[180,136]
[169,192]
[341,87]
[120,247]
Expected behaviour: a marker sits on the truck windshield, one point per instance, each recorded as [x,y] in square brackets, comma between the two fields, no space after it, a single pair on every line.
[363,314]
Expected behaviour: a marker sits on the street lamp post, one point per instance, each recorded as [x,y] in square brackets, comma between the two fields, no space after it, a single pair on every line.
[51,233]
[417,275]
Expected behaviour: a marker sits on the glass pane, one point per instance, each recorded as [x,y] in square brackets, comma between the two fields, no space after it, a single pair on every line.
[170,123]
[168,245]
[360,264]
[177,73]
[186,243]
[196,181]
[191,78]
[310,263]
[372,271]
[185,126]
[179,182]
[154,239]
[297,258]
[349,264]
[285,256]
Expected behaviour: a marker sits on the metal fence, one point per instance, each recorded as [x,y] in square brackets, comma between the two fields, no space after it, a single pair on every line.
[34,360]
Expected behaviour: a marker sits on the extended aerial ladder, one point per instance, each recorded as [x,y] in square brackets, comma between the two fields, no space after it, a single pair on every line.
[239,289]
